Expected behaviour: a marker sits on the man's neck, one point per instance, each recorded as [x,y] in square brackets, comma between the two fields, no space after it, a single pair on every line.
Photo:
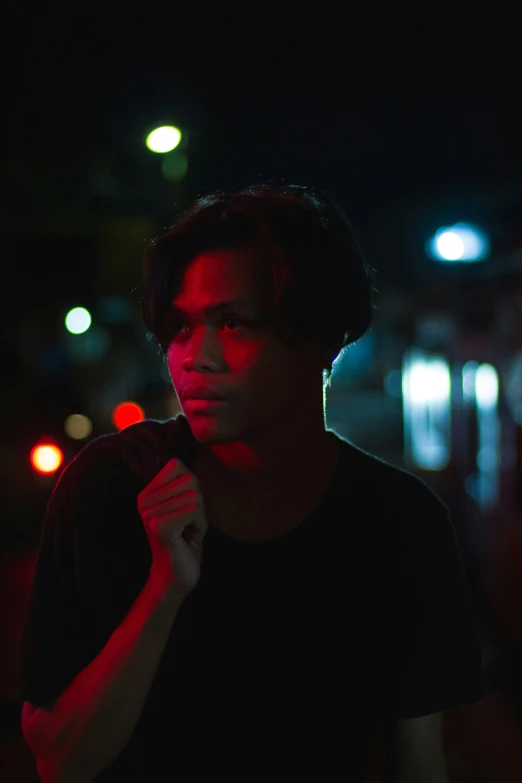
[258,465]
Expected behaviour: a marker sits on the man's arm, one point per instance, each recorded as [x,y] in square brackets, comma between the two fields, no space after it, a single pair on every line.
[418,750]
[92,721]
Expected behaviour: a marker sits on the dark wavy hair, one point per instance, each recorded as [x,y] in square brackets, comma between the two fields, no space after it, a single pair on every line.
[322,286]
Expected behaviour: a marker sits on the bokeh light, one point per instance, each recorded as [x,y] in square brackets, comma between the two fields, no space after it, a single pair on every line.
[89,347]
[174,166]
[46,458]
[77,426]
[77,320]
[450,245]
[163,139]
[460,242]
[115,309]
[127,413]
[486,386]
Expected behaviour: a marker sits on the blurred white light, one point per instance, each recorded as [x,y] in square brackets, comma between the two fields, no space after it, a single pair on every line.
[77,320]
[460,242]
[450,245]
[429,381]
[486,386]
[481,386]
[426,389]
[163,139]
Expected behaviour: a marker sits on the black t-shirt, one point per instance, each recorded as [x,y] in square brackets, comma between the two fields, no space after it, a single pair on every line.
[291,655]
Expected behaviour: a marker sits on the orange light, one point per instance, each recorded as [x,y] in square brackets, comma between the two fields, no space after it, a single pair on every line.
[46,458]
[127,413]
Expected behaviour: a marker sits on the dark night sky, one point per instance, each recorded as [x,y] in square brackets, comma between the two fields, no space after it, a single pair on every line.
[409,115]
[404,101]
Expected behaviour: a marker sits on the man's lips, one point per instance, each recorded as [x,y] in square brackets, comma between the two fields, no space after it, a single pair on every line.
[201,393]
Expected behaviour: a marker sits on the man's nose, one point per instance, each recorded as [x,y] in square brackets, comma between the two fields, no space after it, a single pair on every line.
[205,349]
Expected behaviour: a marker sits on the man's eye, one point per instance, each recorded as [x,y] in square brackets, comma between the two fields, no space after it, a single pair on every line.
[236,321]
[178,326]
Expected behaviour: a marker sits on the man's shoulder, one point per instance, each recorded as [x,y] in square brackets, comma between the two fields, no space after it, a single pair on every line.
[119,445]
[400,518]
[137,452]
[385,484]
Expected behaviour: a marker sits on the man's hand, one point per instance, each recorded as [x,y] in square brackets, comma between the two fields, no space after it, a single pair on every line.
[171,508]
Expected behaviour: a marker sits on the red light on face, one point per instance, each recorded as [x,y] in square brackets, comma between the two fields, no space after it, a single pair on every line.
[46,458]
[127,413]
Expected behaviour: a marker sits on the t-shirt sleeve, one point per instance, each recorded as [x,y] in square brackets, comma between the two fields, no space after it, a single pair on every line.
[440,664]
[92,561]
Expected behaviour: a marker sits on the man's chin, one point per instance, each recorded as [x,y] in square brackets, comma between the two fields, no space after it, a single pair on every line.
[207,429]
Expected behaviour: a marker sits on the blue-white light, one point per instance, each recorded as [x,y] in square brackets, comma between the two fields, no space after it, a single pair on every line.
[426,391]
[484,485]
[460,242]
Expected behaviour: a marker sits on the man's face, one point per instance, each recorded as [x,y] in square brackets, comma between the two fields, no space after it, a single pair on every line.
[234,351]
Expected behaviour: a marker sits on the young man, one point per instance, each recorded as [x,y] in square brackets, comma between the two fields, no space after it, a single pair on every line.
[239,592]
